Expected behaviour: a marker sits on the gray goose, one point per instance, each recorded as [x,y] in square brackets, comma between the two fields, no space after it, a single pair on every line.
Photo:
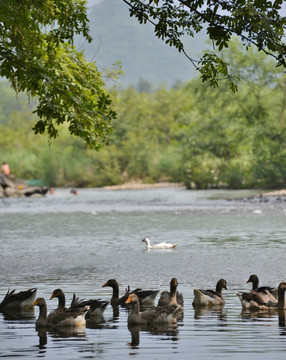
[210,297]
[146,297]
[173,296]
[63,318]
[96,306]
[257,300]
[159,315]
[255,286]
[22,299]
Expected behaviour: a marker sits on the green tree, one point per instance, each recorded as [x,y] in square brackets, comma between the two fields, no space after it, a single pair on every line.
[258,23]
[37,57]
[237,140]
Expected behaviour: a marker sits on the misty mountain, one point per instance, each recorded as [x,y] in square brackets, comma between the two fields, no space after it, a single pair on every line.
[118,37]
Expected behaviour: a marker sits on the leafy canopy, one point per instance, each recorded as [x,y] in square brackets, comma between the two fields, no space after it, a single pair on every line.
[37,56]
[258,23]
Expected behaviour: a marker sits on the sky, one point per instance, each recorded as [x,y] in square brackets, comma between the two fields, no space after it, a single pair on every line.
[93,2]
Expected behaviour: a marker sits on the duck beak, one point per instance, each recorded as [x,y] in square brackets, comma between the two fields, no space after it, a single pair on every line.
[106,284]
[52,296]
[128,301]
[35,302]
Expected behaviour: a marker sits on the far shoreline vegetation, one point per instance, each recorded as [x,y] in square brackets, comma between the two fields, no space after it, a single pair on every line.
[191,134]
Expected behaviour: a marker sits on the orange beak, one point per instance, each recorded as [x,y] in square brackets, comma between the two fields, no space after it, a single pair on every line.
[128,301]
[35,302]
[106,284]
[52,296]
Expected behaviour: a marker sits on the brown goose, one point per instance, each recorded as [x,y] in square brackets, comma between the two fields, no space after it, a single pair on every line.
[96,306]
[63,318]
[172,297]
[255,286]
[146,297]
[257,300]
[210,297]
[59,294]
[22,299]
[158,315]
[115,299]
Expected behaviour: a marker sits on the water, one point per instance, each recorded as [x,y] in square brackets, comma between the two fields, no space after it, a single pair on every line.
[79,242]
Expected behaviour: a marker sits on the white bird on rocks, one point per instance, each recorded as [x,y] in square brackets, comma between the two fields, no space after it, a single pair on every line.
[163,245]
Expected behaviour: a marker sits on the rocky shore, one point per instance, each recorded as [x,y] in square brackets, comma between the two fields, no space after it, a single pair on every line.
[12,187]
[136,185]
[276,196]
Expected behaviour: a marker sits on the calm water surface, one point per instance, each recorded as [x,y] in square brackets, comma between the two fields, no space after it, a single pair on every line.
[79,242]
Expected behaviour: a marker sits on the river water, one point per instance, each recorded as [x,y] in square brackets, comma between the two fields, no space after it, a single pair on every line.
[79,242]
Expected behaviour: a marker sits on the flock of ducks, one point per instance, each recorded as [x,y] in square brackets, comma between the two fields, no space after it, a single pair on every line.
[169,308]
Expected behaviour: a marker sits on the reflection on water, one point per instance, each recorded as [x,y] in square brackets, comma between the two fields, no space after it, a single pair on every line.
[256,315]
[19,314]
[76,243]
[59,335]
[203,311]
[170,330]
[282,322]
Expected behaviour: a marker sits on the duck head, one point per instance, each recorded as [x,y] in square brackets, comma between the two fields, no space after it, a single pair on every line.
[111,282]
[132,298]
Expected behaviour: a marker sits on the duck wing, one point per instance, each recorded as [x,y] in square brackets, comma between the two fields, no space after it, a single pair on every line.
[146,297]
[257,300]
[164,298]
[211,293]
[160,314]
[68,317]
[96,306]
[266,289]
[22,298]
[164,245]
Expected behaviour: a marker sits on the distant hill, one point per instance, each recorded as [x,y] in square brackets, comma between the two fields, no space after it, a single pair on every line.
[119,37]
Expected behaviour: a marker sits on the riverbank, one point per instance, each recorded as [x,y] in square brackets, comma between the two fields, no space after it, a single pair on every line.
[139,186]
[281,192]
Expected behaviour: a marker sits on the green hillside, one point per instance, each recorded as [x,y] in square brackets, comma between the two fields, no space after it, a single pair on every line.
[119,37]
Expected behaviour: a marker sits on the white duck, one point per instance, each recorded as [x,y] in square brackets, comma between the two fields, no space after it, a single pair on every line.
[163,245]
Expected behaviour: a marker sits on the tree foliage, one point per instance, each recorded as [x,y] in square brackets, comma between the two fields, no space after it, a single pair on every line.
[192,133]
[258,23]
[37,57]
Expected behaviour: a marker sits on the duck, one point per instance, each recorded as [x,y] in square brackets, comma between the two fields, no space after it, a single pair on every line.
[159,315]
[258,300]
[172,297]
[23,299]
[115,299]
[62,318]
[255,286]
[162,245]
[146,297]
[59,294]
[96,306]
[210,297]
